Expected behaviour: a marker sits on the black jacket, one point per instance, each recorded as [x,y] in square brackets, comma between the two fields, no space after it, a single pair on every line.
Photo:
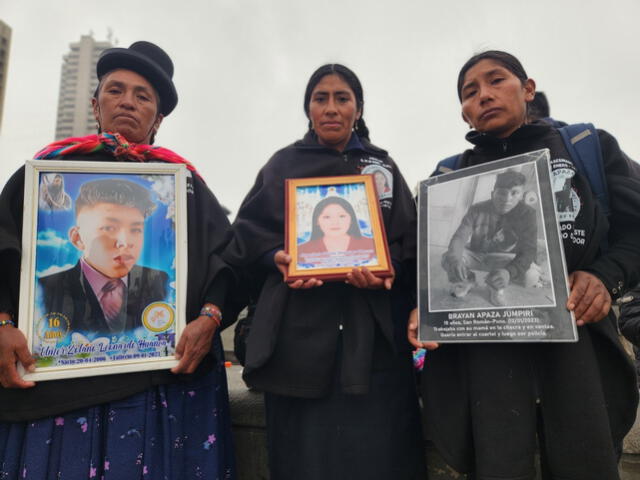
[68,292]
[292,345]
[482,397]
[629,319]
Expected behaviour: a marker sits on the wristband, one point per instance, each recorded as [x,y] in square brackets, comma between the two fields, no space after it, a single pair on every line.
[9,321]
[213,313]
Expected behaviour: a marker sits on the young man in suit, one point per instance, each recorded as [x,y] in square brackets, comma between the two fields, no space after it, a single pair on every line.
[106,292]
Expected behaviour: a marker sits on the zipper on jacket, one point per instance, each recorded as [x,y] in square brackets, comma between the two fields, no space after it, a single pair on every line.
[504,146]
[345,157]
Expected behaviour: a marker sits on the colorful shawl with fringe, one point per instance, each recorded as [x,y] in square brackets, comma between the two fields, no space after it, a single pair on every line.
[115,144]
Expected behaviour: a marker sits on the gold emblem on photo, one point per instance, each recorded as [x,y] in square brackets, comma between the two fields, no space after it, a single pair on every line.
[158,316]
[53,326]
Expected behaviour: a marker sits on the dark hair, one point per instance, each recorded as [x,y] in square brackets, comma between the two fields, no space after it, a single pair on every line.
[352,80]
[96,94]
[539,107]
[505,59]
[117,191]
[354,229]
[509,179]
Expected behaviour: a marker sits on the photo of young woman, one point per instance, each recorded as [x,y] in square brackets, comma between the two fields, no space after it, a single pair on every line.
[336,239]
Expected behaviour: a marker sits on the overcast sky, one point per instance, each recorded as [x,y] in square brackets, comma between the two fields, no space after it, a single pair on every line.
[241,67]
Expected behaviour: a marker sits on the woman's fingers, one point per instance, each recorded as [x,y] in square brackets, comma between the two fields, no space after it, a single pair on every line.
[363,278]
[412,329]
[412,333]
[589,299]
[13,348]
[282,260]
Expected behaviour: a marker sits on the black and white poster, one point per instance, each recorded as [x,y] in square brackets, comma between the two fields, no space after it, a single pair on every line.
[490,260]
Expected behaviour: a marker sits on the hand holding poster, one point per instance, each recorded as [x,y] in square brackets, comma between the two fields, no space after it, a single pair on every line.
[491,264]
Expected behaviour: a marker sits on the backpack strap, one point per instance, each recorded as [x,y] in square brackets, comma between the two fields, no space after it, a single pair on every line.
[583,145]
[447,165]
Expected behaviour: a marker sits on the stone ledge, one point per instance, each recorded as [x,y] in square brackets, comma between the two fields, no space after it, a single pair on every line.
[248,406]
[632,440]
[247,418]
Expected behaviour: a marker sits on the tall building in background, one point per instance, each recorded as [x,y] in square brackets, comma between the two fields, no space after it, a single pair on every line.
[5,45]
[77,84]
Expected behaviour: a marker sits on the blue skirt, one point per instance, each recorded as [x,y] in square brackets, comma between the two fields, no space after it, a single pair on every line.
[167,432]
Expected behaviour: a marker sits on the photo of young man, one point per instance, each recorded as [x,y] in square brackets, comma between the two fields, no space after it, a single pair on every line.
[487,246]
[497,236]
[106,291]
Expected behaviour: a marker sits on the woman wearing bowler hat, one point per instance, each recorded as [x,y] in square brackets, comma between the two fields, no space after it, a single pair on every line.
[158,424]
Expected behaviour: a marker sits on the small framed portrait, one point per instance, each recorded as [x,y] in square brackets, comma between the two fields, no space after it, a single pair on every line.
[104,266]
[334,224]
[490,255]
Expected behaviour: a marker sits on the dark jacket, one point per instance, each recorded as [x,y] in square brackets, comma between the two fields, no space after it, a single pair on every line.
[291,349]
[69,293]
[629,319]
[208,280]
[483,397]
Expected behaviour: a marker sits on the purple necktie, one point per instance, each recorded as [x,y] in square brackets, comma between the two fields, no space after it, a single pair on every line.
[110,299]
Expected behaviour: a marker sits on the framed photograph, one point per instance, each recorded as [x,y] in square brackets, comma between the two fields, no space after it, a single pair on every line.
[104,266]
[490,257]
[334,224]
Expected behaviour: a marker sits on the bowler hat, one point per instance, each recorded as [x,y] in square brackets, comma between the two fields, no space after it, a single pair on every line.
[148,60]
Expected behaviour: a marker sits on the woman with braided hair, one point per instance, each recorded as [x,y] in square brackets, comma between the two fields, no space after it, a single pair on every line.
[331,356]
[156,424]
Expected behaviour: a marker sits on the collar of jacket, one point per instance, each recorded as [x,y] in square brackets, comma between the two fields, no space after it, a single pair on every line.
[524,133]
[310,142]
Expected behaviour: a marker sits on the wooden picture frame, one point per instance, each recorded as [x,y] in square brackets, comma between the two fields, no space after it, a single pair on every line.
[104,267]
[332,225]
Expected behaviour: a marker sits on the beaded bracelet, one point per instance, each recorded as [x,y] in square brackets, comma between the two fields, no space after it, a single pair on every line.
[7,322]
[213,313]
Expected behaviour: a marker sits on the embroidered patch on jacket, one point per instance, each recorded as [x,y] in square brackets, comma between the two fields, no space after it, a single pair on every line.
[567,199]
[383,180]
